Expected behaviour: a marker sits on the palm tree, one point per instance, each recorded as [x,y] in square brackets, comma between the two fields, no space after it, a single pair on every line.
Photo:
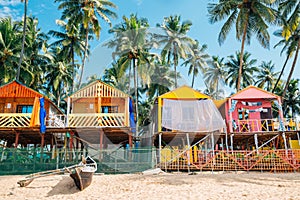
[249,16]
[289,10]
[132,48]
[176,44]
[87,12]
[161,80]
[215,73]
[196,60]
[36,56]
[266,76]
[59,76]
[10,45]
[248,70]
[290,22]
[24,36]
[291,104]
[71,42]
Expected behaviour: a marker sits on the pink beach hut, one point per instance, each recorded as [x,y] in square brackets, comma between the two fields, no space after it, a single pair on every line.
[250,110]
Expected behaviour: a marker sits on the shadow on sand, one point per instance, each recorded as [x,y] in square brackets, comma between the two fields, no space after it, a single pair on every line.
[65,186]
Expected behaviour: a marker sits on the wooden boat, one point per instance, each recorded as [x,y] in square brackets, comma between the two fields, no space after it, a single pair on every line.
[81,173]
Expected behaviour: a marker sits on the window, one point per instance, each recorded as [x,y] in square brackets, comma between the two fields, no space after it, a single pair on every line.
[24,108]
[109,109]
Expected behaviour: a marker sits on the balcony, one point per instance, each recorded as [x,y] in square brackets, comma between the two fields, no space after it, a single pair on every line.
[263,125]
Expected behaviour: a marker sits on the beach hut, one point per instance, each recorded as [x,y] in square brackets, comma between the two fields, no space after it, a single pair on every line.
[253,110]
[101,114]
[182,119]
[24,115]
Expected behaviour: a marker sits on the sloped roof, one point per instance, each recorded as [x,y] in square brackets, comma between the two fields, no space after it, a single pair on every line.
[184,92]
[17,89]
[98,89]
[252,92]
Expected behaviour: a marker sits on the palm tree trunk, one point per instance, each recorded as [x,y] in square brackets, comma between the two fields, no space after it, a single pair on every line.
[282,70]
[73,67]
[291,71]
[84,56]
[135,94]
[193,79]
[23,40]
[129,77]
[175,65]
[242,55]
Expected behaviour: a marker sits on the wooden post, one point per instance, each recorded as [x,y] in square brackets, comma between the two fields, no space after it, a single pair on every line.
[17,140]
[68,111]
[231,142]
[256,143]
[285,145]
[159,147]
[130,140]
[230,116]
[42,147]
[101,144]
[159,106]
[188,151]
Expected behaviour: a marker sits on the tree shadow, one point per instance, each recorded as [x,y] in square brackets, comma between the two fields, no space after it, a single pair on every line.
[65,186]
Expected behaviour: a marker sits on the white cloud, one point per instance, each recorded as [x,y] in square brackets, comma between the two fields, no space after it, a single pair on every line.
[10,2]
[10,12]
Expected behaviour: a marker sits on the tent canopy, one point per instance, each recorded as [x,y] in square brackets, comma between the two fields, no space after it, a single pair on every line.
[191,116]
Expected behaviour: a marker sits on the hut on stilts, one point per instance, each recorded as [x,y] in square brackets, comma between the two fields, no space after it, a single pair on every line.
[187,129]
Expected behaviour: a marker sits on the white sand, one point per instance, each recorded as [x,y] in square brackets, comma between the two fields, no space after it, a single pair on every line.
[164,186]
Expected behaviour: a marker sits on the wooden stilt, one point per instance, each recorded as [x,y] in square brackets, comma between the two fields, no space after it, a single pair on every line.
[159,147]
[256,142]
[17,140]
[42,147]
[130,140]
[188,151]
[231,142]
[101,144]
[285,144]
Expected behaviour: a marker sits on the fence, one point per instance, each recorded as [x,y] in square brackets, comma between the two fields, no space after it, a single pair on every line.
[26,161]
[261,160]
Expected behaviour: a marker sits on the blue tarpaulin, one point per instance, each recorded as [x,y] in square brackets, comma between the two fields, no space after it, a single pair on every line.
[42,115]
[131,116]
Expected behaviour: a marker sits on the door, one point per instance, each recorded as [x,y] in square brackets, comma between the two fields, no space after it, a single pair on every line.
[266,122]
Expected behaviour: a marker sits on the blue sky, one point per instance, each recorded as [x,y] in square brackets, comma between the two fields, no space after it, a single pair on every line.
[154,11]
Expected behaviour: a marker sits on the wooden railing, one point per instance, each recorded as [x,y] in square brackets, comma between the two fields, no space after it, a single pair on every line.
[55,121]
[14,120]
[263,125]
[262,160]
[97,120]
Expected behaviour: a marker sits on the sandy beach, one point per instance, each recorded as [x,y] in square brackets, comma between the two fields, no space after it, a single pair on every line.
[205,185]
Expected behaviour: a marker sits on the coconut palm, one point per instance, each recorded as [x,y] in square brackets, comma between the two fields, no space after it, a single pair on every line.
[161,80]
[10,45]
[215,73]
[71,42]
[36,56]
[249,17]
[266,76]
[132,48]
[176,44]
[196,60]
[289,10]
[87,13]
[291,104]
[23,39]
[248,70]
[59,76]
